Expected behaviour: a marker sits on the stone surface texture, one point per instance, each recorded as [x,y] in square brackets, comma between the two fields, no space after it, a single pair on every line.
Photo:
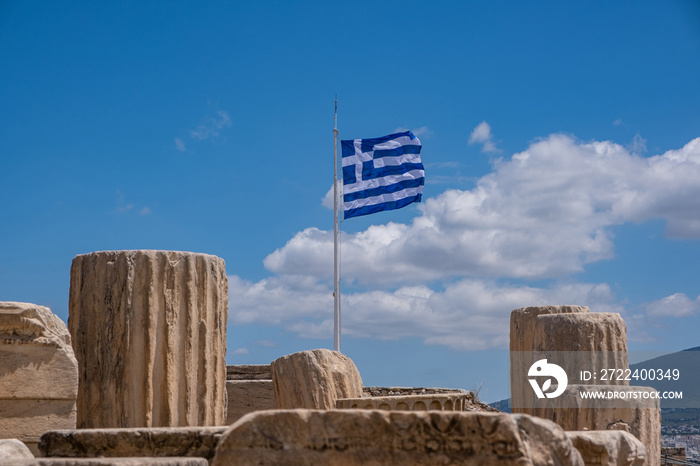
[608,448]
[149,331]
[363,437]
[314,379]
[12,449]
[593,341]
[249,372]
[522,333]
[246,396]
[38,373]
[249,388]
[110,462]
[641,417]
[396,391]
[132,442]
[443,402]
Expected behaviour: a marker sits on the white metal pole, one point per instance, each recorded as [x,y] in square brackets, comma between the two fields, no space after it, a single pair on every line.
[336,237]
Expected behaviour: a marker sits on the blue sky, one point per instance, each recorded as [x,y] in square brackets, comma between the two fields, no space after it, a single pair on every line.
[559,140]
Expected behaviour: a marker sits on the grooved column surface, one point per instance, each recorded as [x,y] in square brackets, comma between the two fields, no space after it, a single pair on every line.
[149,333]
[522,333]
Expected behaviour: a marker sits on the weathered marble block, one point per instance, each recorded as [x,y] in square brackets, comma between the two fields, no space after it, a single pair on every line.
[38,373]
[132,442]
[593,341]
[635,414]
[249,388]
[373,437]
[608,448]
[144,461]
[249,372]
[522,337]
[436,402]
[149,332]
[12,450]
[246,396]
[314,379]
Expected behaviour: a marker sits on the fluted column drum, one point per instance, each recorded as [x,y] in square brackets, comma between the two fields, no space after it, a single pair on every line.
[149,333]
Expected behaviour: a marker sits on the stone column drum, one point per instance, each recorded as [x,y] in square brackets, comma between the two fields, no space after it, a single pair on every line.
[149,333]
[314,379]
[522,334]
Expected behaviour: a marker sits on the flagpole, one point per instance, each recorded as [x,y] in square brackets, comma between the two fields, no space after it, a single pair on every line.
[336,236]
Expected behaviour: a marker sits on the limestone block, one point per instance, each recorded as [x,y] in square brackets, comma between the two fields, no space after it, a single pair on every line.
[246,396]
[36,357]
[608,448]
[28,419]
[591,341]
[522,332]
[249,372]
[110,462]
[149,332]
[442,402]
[314,379]
[38,373]
[12,449]
[635,413]
[373,437]
[130,442]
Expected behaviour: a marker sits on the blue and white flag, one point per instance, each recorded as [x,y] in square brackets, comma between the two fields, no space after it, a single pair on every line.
[381,173]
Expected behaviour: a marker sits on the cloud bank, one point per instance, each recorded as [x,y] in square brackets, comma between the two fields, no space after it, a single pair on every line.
[544,213]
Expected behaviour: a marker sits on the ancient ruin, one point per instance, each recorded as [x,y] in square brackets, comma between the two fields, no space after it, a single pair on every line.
[577,338]
[608,447]
[375,437]
[314,379]
[38,373]
[150,387]
[149,332]
[249,389]
[522,337]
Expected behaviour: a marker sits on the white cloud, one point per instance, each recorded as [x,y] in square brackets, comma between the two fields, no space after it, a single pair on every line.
[327,200]
[180,145]
[145,211]
[211,126]
[482,135]
[241,351]
[542,214]
[422,132]
[466,315]
[638,145]
[675,305]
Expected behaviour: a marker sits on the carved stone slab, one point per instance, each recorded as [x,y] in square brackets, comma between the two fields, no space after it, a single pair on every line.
[364,437]
[441,402]
[114,443]
[38,373]
[110,462]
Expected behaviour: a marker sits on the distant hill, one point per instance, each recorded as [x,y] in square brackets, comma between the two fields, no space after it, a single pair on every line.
[503,405]
[676,412]
[687,363]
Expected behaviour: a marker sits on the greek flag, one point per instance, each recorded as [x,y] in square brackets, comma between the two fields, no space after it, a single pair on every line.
[381,173]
